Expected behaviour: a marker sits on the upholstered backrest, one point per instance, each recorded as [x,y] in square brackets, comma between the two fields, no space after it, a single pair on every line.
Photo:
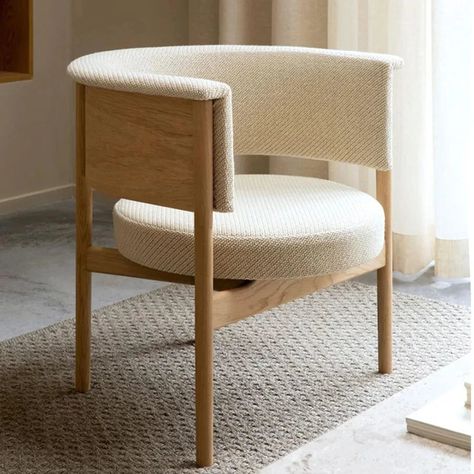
[303,102]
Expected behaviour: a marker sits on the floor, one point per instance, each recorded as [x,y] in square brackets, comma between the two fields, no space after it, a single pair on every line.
[37,290]
[37,268]
[376,441]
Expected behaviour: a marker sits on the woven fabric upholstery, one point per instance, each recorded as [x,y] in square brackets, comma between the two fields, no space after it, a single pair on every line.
[304,102]
[282,227]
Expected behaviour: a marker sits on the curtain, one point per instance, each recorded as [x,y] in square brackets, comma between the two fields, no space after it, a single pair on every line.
[453,127]
[433,116]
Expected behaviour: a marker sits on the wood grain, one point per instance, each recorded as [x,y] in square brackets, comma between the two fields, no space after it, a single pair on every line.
[16,40]
[258,296]
[204,350]
[385,276]
[110,261]
[83,242]
[140,147]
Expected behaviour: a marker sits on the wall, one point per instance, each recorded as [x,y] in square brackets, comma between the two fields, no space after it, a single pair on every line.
[37,117]
[36,135]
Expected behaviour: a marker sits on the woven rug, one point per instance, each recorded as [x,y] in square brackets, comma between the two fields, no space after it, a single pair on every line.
[282,379]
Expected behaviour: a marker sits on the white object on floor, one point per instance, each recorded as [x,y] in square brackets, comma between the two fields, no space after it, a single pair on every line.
[446,420]
[467,385]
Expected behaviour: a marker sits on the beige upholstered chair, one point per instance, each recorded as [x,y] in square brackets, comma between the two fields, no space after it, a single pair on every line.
[159,128]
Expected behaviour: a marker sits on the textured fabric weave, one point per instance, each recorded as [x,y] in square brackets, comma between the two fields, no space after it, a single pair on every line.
[303,102]
[282,227]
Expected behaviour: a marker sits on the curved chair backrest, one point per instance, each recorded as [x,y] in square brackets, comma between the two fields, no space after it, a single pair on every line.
[303,102]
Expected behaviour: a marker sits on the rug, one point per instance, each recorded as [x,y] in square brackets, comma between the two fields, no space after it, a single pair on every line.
[281,379]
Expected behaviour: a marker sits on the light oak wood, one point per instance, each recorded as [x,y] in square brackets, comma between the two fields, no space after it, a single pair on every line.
[204,350]
[83,242]
[16,40]
[110,261]
[384,276]
[140,147]
[258,296]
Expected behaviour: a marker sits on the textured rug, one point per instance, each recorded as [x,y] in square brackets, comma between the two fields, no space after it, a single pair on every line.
[282,379]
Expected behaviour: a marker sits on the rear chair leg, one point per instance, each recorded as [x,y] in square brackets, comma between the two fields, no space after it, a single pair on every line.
[384,309]
[384,276]
[83,242]
[83,330]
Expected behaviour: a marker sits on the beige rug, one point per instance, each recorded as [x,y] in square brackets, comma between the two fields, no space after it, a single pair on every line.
[282,378]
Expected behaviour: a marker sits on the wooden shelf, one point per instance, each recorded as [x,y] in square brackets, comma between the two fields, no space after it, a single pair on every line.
[16,40]
[7,76]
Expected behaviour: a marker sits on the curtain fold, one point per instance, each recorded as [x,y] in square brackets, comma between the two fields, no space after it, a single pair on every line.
[433,116]
[399,27]
[453,127]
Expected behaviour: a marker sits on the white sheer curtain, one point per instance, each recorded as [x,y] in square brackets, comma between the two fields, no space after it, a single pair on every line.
[453,131]
[433,116]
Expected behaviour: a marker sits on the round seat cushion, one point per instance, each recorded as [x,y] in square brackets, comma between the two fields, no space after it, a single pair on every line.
[281,227]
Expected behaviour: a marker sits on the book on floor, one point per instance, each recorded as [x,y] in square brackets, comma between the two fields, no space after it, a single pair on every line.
[446,419]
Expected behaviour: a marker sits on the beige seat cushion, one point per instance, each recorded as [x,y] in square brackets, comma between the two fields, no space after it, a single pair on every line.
[282,227]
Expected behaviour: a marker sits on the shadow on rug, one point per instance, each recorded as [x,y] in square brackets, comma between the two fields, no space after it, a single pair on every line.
[282,379]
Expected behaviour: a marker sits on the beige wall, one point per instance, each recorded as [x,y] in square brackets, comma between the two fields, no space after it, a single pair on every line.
[36,117]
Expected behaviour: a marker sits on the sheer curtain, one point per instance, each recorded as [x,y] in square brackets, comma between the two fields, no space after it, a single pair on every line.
[433,116]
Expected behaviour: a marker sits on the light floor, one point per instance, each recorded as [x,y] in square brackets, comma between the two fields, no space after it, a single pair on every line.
[37,268]
[376,441]
[37,290]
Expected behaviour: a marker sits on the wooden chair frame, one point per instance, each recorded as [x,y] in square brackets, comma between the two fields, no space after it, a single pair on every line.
[218,302]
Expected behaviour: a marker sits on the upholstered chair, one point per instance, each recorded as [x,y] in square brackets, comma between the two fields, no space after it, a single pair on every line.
[158,128]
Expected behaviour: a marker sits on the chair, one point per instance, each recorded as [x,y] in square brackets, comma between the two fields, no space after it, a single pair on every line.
[159,127]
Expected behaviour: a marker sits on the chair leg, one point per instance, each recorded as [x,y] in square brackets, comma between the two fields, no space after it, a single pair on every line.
[83,330]
[204,378]
[384,309]
[204,281]
[384,276]
[83,242]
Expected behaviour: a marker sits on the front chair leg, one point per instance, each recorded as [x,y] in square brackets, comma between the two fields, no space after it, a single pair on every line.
[204,281]
[204,378]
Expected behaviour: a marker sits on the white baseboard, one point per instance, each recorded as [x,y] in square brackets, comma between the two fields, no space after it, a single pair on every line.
[37,198]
